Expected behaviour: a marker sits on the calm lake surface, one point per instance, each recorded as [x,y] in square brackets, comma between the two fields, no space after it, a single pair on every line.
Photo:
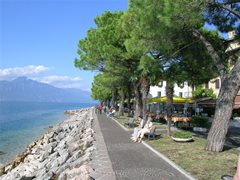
[23,122]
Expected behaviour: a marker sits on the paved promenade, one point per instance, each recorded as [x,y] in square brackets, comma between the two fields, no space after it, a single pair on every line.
[133,160]
[101,162]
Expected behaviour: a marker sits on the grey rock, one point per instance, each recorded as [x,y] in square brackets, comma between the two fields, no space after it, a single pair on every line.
[81,172]
[2,169]
[45,177]
[9,176]
[61,145]
[54,155]
[43,156]
[58,130]
[74,146]
[63,175]
[63,158]
[75,156]
[70,139]
[88,142]
[60,136]
[47,148]
[41,172]
[8,167]
[53,144]
[65,127]
[54,164]
[90,149]
[52,140]
[74,131]
[80,161]
[89,130]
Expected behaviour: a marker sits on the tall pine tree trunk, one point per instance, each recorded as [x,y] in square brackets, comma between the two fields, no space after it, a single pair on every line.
[121,107]
[138,99]
[108,103]
[145,86]
[114,98]
[129,99]
[169,94]
[224,105]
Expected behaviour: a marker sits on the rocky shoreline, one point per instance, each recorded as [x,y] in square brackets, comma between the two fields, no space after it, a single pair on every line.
[62,153]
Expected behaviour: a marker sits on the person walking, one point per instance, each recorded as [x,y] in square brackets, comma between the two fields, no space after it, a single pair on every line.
[100,108]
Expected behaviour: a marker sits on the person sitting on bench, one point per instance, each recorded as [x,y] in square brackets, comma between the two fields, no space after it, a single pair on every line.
[111,112]
[137,129]
[146,129]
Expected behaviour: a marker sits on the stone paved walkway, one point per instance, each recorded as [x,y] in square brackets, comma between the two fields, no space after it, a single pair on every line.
[131,161]
[100,158]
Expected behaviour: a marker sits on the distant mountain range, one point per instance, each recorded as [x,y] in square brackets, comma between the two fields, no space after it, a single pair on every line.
[23,89]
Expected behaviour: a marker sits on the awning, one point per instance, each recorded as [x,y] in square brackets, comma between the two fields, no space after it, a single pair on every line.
[175,100]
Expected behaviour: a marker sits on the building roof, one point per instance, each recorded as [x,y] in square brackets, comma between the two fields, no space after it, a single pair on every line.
[209,102]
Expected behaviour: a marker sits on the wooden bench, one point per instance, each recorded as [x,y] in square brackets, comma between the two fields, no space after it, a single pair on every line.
[152,134]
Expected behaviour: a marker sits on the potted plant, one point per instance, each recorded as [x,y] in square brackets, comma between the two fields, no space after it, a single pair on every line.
[200,124]
[182,136]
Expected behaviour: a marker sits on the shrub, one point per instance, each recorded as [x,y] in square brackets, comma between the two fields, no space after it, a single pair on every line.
[182,134]
[198,121]
[200,92]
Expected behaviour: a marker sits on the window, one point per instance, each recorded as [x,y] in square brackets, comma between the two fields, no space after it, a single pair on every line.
[180,94]
[206,85]
[159,94]
[160,84]
[181,85]
[217,84]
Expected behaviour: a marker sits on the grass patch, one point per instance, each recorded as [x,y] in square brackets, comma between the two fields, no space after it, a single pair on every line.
[160,125]
[124,119]
[194,159]
[191,156]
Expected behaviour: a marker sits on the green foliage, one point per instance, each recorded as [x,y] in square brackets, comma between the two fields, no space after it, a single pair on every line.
[103,50]
[198,121]
[154,39]
[103,85]
[182,134]
[165,26]
[201,92]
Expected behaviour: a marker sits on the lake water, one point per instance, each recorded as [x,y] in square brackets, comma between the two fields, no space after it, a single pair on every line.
[23,122]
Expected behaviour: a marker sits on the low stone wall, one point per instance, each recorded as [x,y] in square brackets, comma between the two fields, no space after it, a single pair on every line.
[62,153]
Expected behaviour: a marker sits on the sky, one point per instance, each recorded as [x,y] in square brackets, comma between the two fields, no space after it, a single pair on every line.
[38,39]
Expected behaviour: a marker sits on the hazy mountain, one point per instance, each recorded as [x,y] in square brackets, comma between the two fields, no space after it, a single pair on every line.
[23,89]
